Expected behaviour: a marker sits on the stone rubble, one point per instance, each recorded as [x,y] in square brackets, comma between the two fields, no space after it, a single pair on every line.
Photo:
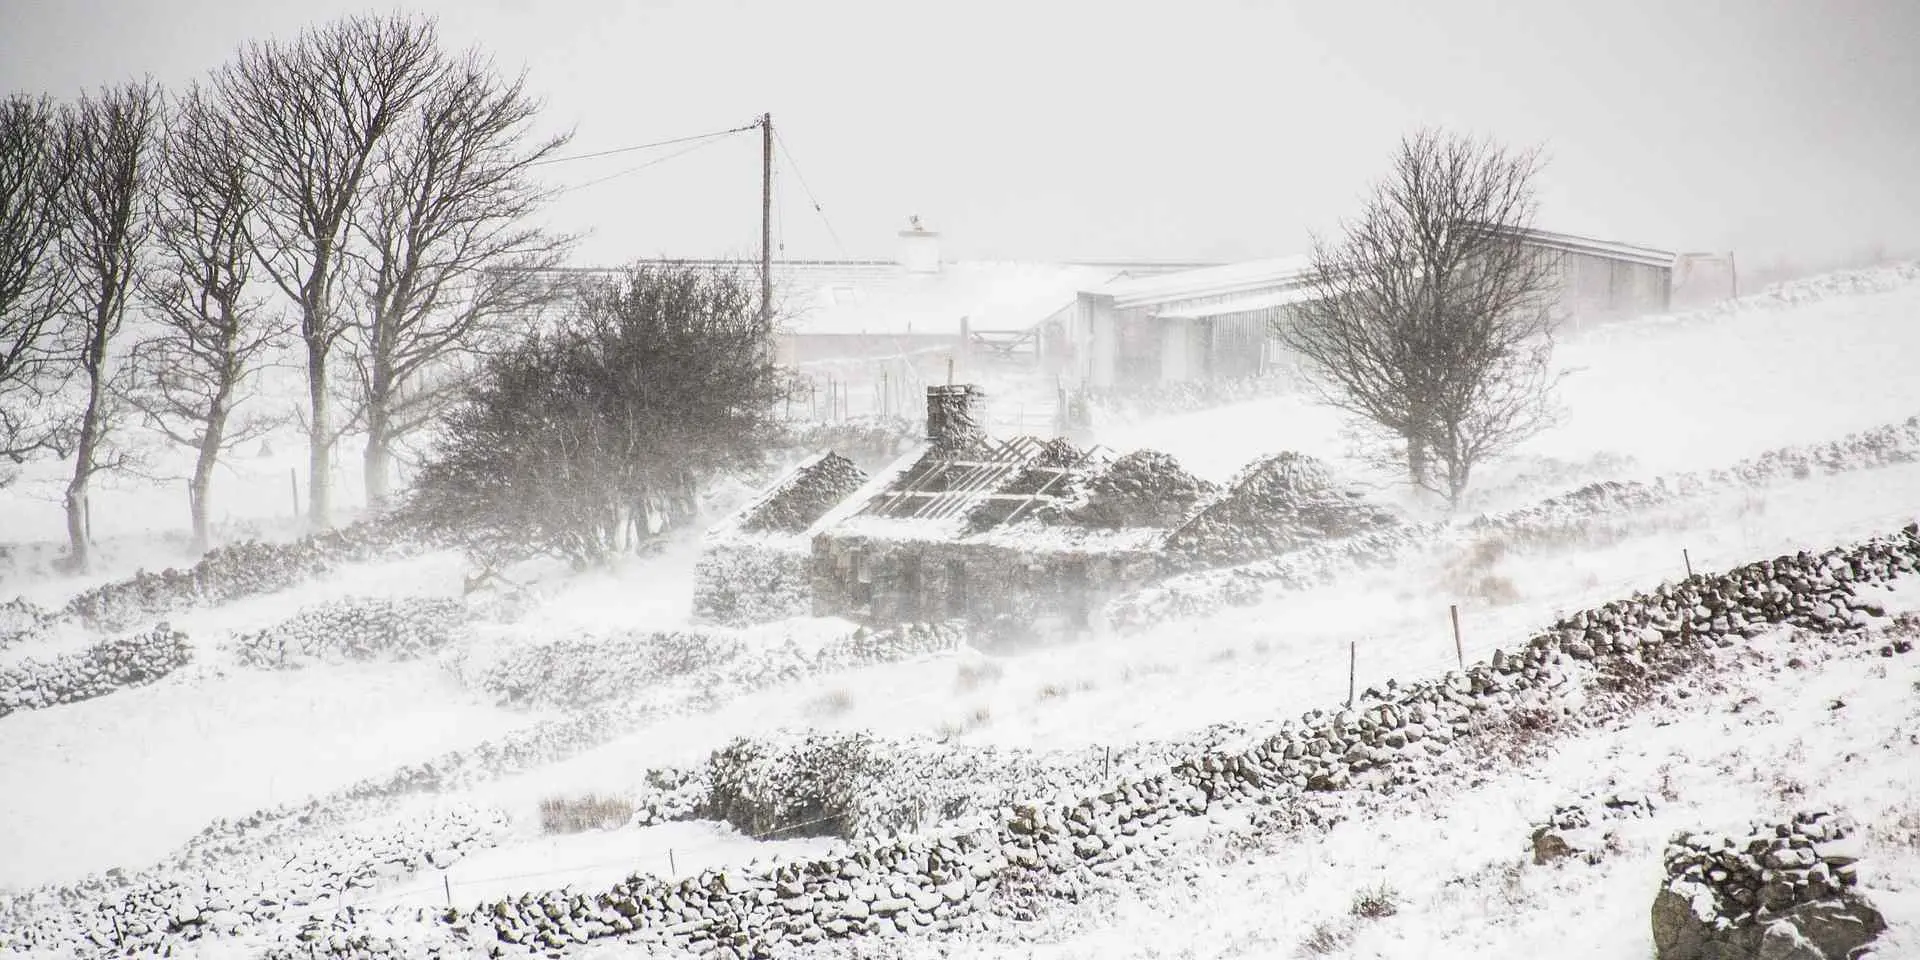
[1781,890]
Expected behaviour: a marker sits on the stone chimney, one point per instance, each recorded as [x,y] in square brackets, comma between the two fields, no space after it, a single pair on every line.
[952,426]
[919,248]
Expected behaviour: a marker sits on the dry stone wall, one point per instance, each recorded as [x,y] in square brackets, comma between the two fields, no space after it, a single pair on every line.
[238,570]
[356,629]
[948,880]
[1560,519]
[945,881]
[101,669]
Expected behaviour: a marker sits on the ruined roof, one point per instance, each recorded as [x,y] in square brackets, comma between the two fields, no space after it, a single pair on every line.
[797,500]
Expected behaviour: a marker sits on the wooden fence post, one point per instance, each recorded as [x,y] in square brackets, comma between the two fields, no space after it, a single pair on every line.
[1687,558]
[1453,610]
[1353,661]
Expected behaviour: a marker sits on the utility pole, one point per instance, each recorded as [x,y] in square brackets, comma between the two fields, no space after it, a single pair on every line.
[766,217]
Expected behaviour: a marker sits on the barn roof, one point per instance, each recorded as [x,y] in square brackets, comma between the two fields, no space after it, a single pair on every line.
[1608,249]
[987,295]
[1248,277]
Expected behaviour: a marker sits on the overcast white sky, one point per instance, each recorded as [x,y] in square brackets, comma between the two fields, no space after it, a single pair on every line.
[1217,130]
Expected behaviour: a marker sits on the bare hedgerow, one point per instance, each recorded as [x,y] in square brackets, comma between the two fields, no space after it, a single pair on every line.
[580,814]
[1376,902]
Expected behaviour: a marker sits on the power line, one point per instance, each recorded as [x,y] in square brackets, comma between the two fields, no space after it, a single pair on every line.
[642,146]
[709,141]
[795,164]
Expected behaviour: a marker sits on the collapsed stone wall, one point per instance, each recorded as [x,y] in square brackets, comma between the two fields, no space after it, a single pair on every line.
[356,629]
[1782,890]
[940,882]
[101,669]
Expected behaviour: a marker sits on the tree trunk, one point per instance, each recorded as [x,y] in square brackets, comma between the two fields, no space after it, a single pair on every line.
[378,462]
[377,466]
[319,442]
[85,450]
[202,483]
[1417,468]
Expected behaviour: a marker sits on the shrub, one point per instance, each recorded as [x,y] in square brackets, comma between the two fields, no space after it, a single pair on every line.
[1376,902]
[580,814]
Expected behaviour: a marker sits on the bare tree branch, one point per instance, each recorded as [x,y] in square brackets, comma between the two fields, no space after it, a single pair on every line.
[312,116]
[448,207]
[34,292]
[107,146]
[210,339]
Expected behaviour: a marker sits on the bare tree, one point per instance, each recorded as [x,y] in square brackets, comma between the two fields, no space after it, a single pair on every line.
[107,145]
[209,339]
[312,115]
[1431,319]
[447,248]
[33,291]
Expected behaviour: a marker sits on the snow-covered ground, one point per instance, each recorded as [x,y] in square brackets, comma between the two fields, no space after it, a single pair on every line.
[125,779]
[1838,735]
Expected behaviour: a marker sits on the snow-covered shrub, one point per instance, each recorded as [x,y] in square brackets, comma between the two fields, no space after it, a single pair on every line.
[740,581]
[101,669]
[356,628]
[20,621]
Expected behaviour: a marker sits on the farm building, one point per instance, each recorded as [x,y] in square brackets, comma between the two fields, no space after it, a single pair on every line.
[1214,323]
[1013,536]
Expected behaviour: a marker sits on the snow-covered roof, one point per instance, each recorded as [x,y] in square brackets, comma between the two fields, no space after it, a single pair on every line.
[1245,304]
[1610,249]
[987,295]
[1251,276]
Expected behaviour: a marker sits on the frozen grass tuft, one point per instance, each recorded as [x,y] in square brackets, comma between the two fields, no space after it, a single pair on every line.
[580,814]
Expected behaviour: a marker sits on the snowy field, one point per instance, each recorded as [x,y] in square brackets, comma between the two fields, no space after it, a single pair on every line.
[125,780]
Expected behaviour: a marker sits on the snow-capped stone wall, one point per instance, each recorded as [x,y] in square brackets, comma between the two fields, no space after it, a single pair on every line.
[153,913]
[357,628]
[919,883]
[236,570]
[1612,656]
[101,669]
[1556,519]
[577,672]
